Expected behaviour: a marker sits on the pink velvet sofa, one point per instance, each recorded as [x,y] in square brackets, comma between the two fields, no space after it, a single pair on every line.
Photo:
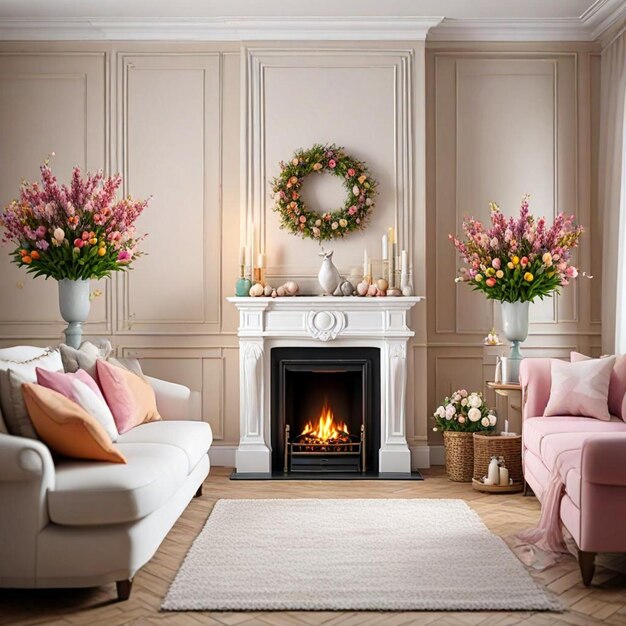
[593,508]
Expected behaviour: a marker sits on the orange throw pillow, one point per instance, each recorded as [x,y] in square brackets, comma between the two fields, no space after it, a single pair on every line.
[66,428]
[129,396]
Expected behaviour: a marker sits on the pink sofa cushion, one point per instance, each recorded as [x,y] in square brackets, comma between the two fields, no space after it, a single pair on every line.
[580,388]
[617,386]
[536,428]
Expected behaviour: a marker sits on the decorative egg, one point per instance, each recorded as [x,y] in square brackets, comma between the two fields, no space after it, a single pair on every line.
[338,291]
[394,292]
[362,288]
[281,291]
[267,292]
[347,288]
[407,291]
[382,284]
[256,290]
[372,290]
[381,293]
[291,287]
[274,294]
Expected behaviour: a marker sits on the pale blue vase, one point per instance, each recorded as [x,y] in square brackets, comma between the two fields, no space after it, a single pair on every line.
[74,304]
[515,328]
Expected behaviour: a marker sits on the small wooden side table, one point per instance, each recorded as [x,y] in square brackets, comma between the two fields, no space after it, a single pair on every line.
[506,446]
[510,407]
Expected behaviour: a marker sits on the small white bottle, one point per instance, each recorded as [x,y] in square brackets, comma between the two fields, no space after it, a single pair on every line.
[504,477]
[493,471]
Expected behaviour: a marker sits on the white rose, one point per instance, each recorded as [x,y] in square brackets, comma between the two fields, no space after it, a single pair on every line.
[355,190]
[456,397]
[450,411]
[485,422]
[492,419]
[464,402]
[473,414]
[59,235]
[441,412]
[475,401]
[461,419]
[463,392]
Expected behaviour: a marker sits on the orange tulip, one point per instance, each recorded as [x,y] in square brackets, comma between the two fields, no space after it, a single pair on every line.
[34,255]
[23,252]
[26,259]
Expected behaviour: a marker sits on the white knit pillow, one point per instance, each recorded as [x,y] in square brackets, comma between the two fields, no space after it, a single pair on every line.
[581,388]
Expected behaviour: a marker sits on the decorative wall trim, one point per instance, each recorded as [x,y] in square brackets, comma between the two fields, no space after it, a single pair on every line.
[346,28]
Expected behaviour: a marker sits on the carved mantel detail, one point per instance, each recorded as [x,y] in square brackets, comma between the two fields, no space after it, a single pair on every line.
[325,325]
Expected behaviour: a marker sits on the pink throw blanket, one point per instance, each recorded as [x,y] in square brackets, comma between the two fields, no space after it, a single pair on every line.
[542,547]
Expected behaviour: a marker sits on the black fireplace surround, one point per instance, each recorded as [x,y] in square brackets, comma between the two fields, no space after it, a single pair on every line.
[303,380]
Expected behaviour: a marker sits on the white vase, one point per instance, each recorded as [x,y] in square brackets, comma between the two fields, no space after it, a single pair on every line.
[515,328]
[329,277]
[74,304]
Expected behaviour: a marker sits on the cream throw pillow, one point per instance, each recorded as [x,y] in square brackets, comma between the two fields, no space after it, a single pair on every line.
[581,388]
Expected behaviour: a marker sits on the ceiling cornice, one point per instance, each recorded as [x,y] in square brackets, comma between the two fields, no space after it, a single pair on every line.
[220,29]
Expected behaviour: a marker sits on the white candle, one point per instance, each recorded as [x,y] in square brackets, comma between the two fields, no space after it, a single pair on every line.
[261,260]
[242,255]
[366,263]
[405,262]
[504,476]
[506,426]
[391,235]
[385,248]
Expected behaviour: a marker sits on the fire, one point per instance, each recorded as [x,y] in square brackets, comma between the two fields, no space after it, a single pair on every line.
[326,429]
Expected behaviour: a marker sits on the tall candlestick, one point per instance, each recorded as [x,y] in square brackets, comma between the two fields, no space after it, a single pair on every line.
[242,255]
[261,261]
[366,264]
[404,269]
[385,247]
[392,266]
[392,235]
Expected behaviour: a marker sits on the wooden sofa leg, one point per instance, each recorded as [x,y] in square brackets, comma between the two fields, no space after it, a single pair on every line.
[199,492]
[123,589]
[587,563]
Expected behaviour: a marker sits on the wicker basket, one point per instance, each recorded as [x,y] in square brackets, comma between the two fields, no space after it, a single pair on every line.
[510,448]
[459,455]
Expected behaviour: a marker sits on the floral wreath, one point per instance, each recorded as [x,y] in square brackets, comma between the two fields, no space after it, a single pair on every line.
[297,218]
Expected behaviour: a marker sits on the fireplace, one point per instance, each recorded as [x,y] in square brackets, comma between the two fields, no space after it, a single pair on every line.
[325,409]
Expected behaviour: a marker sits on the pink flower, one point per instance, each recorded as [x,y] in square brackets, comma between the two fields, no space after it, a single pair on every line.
[42,244]
[490,282]
[85,235]
[302,219]
[41,231]
[496,264]
[282,194]
[352,210]
[524,261]
[124,256]
[332,163]
[351,171]
[78,243]
[571,272]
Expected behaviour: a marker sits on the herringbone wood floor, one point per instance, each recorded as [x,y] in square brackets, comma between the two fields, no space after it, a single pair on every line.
[605,602]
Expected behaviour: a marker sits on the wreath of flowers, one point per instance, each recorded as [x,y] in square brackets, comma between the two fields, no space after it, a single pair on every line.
[297,218]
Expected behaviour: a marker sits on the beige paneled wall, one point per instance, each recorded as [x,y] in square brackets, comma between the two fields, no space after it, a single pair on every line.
[202,127]
[504,121]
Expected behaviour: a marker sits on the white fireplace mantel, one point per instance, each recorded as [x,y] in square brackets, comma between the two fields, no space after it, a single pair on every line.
[309,321]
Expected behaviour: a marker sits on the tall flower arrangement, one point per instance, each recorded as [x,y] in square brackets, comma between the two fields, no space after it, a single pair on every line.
[518,260]
[74,232]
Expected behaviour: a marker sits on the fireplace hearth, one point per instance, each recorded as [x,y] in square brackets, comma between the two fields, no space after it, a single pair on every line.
[325,410]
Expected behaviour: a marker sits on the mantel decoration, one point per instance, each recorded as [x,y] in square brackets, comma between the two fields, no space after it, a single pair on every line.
[73,234]
[458,417]
[298,219]
[516,261]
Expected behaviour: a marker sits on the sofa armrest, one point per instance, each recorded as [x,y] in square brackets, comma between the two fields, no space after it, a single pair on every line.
[604,460]
[535,377]
[26,474]
[174,401]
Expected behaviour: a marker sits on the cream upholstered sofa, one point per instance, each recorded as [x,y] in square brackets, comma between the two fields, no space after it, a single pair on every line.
[67,523]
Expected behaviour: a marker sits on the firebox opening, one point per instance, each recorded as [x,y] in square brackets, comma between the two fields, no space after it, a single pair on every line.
[325,409]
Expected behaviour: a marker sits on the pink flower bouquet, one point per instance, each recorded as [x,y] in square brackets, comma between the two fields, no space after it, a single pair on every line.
[76,232]
[462,411]
[518,260]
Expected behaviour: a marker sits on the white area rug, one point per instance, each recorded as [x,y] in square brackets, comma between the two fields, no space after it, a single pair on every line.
[351,555]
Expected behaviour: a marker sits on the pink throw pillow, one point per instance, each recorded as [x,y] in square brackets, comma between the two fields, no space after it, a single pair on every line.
[617,386]
[129,396]
[81,388]
[580,388]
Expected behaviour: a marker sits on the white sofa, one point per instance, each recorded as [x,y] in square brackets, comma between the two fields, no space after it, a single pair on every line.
[84,523]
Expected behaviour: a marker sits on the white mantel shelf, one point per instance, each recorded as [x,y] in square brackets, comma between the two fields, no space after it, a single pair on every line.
[309,321]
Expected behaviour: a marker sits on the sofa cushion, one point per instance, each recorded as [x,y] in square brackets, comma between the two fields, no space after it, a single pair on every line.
[193,438]
[581,388]
[89,493]
[536,428]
